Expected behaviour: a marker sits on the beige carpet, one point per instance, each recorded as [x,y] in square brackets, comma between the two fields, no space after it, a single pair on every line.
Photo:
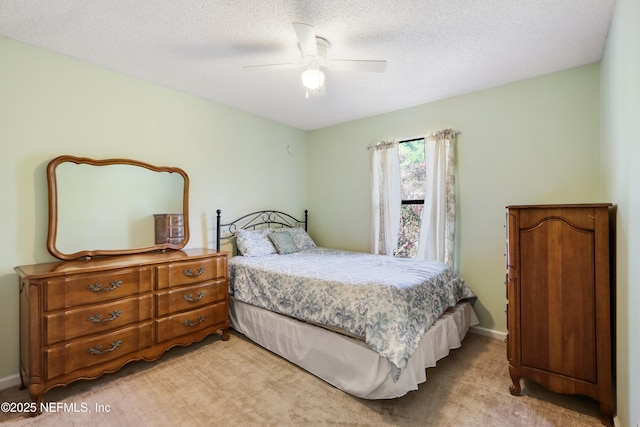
[216,383]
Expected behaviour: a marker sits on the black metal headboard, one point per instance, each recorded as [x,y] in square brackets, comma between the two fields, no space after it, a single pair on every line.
[256,220]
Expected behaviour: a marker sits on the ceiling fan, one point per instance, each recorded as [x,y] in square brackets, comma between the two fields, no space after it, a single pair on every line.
[314,59]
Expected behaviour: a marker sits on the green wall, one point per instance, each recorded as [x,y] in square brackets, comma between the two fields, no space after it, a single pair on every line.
[620,154]
[534,141]
[52,105]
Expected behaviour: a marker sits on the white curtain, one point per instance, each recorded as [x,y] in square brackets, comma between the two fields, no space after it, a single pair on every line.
[437,229]
[385,197]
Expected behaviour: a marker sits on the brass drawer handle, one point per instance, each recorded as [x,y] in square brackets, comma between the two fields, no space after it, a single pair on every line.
[190,298]
[197,273]
[97,287]
[97,318]
[97,350]
[190,322]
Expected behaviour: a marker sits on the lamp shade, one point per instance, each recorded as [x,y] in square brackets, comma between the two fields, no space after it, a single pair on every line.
[312,78]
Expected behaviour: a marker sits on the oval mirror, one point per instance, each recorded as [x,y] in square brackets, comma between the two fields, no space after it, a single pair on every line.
[114,207]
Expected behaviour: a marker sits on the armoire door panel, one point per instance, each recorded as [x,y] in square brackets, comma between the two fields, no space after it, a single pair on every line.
[558,319]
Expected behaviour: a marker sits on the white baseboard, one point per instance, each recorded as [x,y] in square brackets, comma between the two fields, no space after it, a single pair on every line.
[479,330]
[10,381]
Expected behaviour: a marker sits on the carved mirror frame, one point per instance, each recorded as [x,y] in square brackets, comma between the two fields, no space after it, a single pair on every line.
[53,208]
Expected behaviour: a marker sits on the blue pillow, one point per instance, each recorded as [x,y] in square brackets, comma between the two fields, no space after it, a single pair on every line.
[283,242]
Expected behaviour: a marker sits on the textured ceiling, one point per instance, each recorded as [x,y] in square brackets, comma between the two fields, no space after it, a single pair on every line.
[434,48]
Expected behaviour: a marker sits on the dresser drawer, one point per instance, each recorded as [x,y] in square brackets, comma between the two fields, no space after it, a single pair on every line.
[183,273]
[191,297]
[192,321]
[70,324]
[83,353]
[80,289]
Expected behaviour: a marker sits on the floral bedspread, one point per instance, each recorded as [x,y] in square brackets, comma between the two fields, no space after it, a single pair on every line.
[391,302]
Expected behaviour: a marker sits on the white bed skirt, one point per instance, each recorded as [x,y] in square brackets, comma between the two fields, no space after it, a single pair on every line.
[345,362]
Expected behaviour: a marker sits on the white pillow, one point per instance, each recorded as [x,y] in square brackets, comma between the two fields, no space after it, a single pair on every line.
[254,242]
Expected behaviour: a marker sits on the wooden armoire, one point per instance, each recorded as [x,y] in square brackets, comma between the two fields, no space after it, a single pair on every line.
[559,292]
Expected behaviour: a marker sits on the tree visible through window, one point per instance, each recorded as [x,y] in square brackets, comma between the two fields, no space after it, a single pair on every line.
[412,188]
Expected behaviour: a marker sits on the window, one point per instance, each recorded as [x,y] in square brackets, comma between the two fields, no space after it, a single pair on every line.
[412,188]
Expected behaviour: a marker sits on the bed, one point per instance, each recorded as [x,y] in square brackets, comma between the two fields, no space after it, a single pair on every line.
[369,325]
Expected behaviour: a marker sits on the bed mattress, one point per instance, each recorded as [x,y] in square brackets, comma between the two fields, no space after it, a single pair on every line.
[390,302]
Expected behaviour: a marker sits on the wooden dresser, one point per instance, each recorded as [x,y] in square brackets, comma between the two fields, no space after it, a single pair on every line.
[81,319]
[559,299]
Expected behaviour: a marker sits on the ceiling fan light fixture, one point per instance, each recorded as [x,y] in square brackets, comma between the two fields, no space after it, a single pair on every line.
[312,78]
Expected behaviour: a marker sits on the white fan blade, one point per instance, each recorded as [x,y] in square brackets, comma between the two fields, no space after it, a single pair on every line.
[285,66]
[373,66]
[306,38]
